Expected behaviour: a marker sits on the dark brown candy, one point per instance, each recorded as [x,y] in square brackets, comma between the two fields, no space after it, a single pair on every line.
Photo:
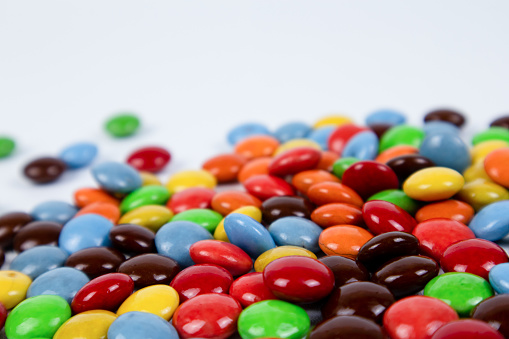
[347,327]
[362,298]
[133,239]
[44,170]
[446,115]
[279,207]
[406,165]
[494,311]
[150,269]
[37,233]
[386,246]
[10,224]
[407,275]
[2,257]
[501,122]
[345,270]
[96,261]
[380,129]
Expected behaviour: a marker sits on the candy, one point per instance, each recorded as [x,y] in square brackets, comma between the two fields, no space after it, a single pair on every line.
[256,146]
[134,325]
[467,329]
[44,170]
[433,183]
[363,146]
[87,196]
[345,270]
[279,207]
[225,167]
[85,231]
[482,149]
[265,186]
[346,326]
[3,315]
[280,252]
[406,165]
[439,147]
[339,167]
[55,211]
[63,281]
[10,224]
[337,214]
[116,177]
[321,135]
[480,193]
[37,233]
[250,211]
[149,179]
[250,288]
[396,152]
[296,231]
[499,277]
[7,146]
[494,311]
[122,125]
[78,155]
[194,197]
[133,239]
[493,133]
[151,159]
[339,138]
[332,192]
[382,216]
[96,261]
[105,209]
[294,161]
[496,166]
[206,218]
[192,178]
[248,234]
[345,240]
[380,129]
[476,172]
[150,269]
[398,198]
[386,116]
[332,120]
[369,177]
[304,180]
[254,167]
[491,223]
[402,135]
[227,201]
[502,121]
[13,288]
[161,300]
[450,209]
[38,260]
[226,255]
[146,195]
[246,130]
[440,127]
[153,217]
[292,130]
[90,324]
[447,115]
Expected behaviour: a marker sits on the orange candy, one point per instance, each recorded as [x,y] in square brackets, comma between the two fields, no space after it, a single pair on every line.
[104,209]
[227,201]
[257,146]
[304,180]
[395,152]
[496,165]
[330,192]
[225,167]
[254,167]
[450,209]
[327,159]
[87,196]
[344,240]
[337,213]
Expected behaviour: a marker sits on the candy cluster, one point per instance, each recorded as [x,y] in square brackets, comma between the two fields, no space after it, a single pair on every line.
[387,228]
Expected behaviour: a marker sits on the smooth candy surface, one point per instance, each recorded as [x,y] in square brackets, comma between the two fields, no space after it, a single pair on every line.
[10,224]
[116,177]
[492,222]
[134,325]
[3,316]
[339,167]
[402,135]
[447,115]
[395,152]
[133,239]
[332,120]
[107,210]
[450,209]
[363,146]
[295,231]
[330,192]
[250,288]
[440,127]
[467,329]
[87,196]
[496,166]
[223,254]
[248,234]
[494,311]
[481,193]
[37,233]
[434,183]
[254,167]
[279,207]
[386,116]
[206,218]
[492,133]
[345,240]
[321,135]
[63,281]
[227,201]
[150,269]
[369,177]
[499,277]
[85,231]
[55,211]
[340,136]
[161,300]
[146,195]
[243,131]
[279,252]
[292,130]
[44,170]
[122,125]
[13,288]
[87,325]
[345,270]
[225,167]
[38,260]
[294,161]
[406,165]
[151,159]
[149,216]
[256,146]
[79,155]
[193,178]
[250,211]
[304,180]
[265,186]
[194,197]
[439,148]
[7,146]
[382,216]
[398,198]
[337,214]
[347,326]
[96,261]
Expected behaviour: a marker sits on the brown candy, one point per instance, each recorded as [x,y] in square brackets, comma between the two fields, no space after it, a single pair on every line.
[345,269]
[347,327]
[150,269]
[2,257]
[10,224]
[406,165]
[380,129]
[44,170]
[279,207]
[446,115]
[133,239]
[96,261]
[37,233]
[501,122]
[494,311]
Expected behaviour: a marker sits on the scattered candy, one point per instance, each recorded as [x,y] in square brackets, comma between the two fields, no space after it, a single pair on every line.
[151,159]
[7,146]
[122,125]
[44,170]
[78,155]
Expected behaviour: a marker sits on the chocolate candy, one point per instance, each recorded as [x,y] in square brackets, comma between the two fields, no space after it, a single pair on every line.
[89,230]
[295,231]
[55,211]
[96,261]
[266,186]
[38,260]
[447,115]
[13,288]
[406,165]
[37,233]
[227,201]
[90,324]
[195,197]
[248,234]
[332,192]
[245,130]
[336,214]
[280,207]
[503,121]
[467,328]
[10,224]
[494,311]
[116,177]
[346,326]
[150,269]
[343,240]
[256,146]
[44,170]
[345,270]
[133,239]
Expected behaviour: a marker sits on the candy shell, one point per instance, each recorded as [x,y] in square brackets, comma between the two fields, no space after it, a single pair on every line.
[13,288]
[116,177]
[134,325]
[122,125]
[150,159]
[434,183]
[87,325]
[161,300]
[345,240]
[79,155]
[279,252]
[192,178]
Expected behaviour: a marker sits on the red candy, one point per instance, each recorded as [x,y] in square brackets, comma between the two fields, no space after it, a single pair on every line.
[467,329]
[150,159]
[3,315]
[201,279]
[298,279]
[223,254]
[194,197]
[294,161]
[265,186]
[369,177]
[383,216]
[340,136]
[250,289]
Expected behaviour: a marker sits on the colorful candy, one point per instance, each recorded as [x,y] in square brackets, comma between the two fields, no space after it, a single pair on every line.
[122,125]
[151,159]
[44,170]
[78,155]
[7,146]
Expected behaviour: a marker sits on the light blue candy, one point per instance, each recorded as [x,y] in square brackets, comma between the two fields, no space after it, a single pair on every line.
[321,136]
[248,234]
[292,130]
[88,230]
[385,116]
[116,177]
[246,130]
[175,238]
[491,222]
[38,260]
[135,325]
[56,211]
[499,278]
[79,155]
[63,281]
[363,146]
[446,150]
[440,127]
[295,231]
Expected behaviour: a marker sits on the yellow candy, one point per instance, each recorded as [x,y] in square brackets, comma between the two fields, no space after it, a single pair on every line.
[475,172]
[294,143]
[433,183]
[278,252]
[250,211]
[149,179]
[335,120]
[482,149]
[13,288]
[149,216]
[193,178]
[161,300]
[480,193]
[87,325]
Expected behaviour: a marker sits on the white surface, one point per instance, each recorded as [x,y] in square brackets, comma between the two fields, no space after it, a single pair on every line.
[194,69]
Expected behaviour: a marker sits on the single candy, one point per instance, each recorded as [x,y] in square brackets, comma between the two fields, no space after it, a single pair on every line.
[116,177]
[161,300]
[280,252]
[369,177]
[10,224]
[226,202]
[38,260]
[340,136]
[337,214]
[363,146]
[44,170]
[90,324]
[55,211]
[243,131]
[463,291]
[406,165]
[492,222]
[295,231]
[450,209]
[492,133]
[13,288]
[85,231]
[254,167]
[62,281]
[499,277]
[496,166]
[248,234]
[387,116]
[174,239]
[467,329]
[146,195]
[226,255]
[476,172]
[347,326]
[149,179]
[345,270]
[382,216]
[402,135]
[151,159]
[345,240]
[105,209]
[434,183]
[332,120]
[135,325]
[193,178]
[133,239]
[292,130]
[339,167]
[447,115]
[37,317]
[440,127]
[149,216]
[150,269]
[273,319]
[494,311]
[122,125]
[207,316]
[206,218]
[332,192]
[250,211]
[250,288]
[194,197]
[321,135]
[79,155]
[256,146]
[7,146]
[87,196]
[481,193]
[265,186]
[225,167]
[294,161]
[279,207]
[304,180]
[446,150]
[96,261]
[502,121]
[37,233]
[398,198]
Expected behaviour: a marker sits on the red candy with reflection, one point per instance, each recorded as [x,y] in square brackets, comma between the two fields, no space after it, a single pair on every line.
[190,198]
[250,289]
[294,161]
[369,177]
[382,216]
[265,186]
[340,136]
[3,315]
[467,329]
[223,254]
[151,159]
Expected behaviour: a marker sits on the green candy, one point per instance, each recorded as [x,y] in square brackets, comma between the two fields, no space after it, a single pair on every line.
[401,135]
[492,133]
[273,319]
[204,217]
[339,167]
[122,125]
[37,317]
[462,291]
[7,145]
[146,195]
[398,198]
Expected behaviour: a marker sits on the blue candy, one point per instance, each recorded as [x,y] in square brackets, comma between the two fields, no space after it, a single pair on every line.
[439,148]
[491,222]
[56,211]
[135,325]
[116,177]
[63,281]
[38,260]
[292,130]
[295,231]
[79,155]
[499,278]
[321,136]
[363,146]
[248,234]
[175,238]
[440,127]
[385,116]
[88,230]
[246,130]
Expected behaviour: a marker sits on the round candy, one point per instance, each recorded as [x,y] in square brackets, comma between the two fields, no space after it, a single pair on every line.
[161,300]
[449,209]
[250,211]
[347,326]
[321,135]
[248,234]
[492,133]
[395,152]
[10,224]
[345,240]
[337,214]
[279,252]
[85,231]
[340,165]
[447,115]
[280,207]
[304,180]
[116,177]
[206,218]
[332,120]
[482,149]
[95,261]
[294,161]
[63,281]
[79,155]
[296,231]
[499,277]
[502,121]
[256,146]
[151,159]
[254,167]
[406,165]
[149,179]
[44,170]
[330,192]
[246,130]
[146,195]
[476,172]
[122,125]
[363,146]
[133,239]
[13,288]
[265,186]
[7,146]
[296,143]
[292,130]
[440,127]
[369,177]
[467,329]
[340,136]
[194,197]
[193,178]
[135,325]
[494,311]
[250,288]
[481,193]
[491,223]
[434,183]
[225,167]
[496,166]
[149,216]
[401,135]
[107,210]
[39,259]
[398,198]
[55,211]
[345,270]
[386,116]
[87,325]
[382,216]
[37,233]
[439,148]
[3,315]
[227,201]
[87,196]
[226,255]
[150,269]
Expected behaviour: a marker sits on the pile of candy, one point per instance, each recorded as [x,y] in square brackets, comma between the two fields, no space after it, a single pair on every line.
[388,229]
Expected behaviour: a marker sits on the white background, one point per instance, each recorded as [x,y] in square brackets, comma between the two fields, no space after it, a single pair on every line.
[194,69]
